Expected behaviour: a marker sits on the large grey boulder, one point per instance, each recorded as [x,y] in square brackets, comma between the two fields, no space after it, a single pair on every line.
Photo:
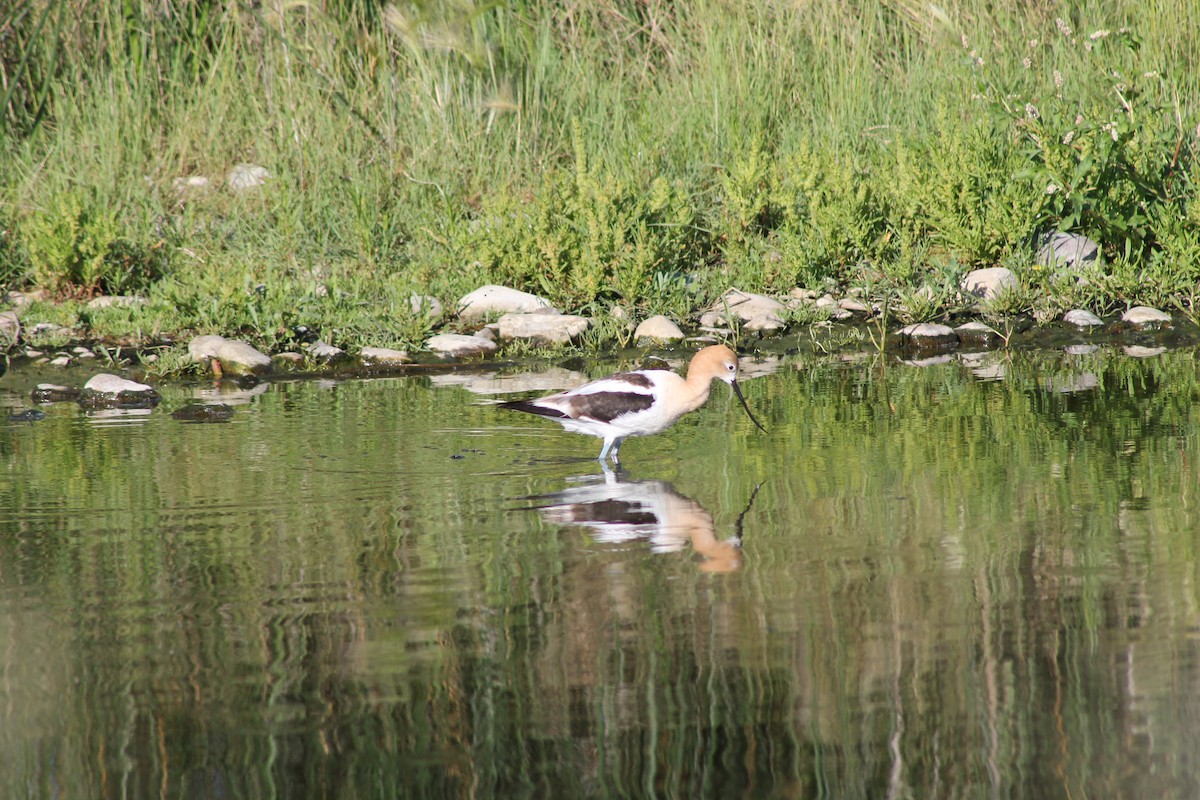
[542,328]
[455,344]
[112,391]
[492,299]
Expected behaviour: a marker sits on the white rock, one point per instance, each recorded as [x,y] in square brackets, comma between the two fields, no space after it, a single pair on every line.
[454,344]
[1146,317]
[1066,249]
[61,361]
[21,299]
[501,299]
[659,328]
[929,334]
[542,328]
[107,391]
[758,312]
[247,176]
[854,305]
[118,300]
[383,356]
[106,383]
[1081,318]
[990,283]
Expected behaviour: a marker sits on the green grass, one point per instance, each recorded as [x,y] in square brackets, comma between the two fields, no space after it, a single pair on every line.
[650,154]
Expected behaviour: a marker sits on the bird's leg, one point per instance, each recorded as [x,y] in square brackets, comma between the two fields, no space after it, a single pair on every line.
[615,450]
[608,443]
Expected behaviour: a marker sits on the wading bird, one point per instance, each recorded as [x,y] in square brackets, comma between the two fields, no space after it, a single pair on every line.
[638,403]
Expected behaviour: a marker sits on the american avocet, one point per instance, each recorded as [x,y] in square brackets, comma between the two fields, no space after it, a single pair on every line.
[638,403]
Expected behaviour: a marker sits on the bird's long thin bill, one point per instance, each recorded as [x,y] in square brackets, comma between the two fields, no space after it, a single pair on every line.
[738,391]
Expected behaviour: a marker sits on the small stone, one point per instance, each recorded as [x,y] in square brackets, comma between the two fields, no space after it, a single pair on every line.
[112,391]
[929,335]
[500,299]
[324,351]
[384,357]
[1082,318]
[247,176]
[1060,249]
[21,299]
[542,328]
[10,329]
[1146,317]
[488,332]
[1080,349]
[854,306]
[116,300]
[60,361]
[620,313]
[47,329]
[658,328]
[53,393]
[991,283]
[455,344]
[825,301]
[804,294]
[288,357]
[31,353]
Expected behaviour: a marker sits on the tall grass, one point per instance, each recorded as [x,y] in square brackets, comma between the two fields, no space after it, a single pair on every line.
[589,151]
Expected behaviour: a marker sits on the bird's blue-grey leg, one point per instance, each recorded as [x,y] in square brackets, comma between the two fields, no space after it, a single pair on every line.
[608,443]
[615,450]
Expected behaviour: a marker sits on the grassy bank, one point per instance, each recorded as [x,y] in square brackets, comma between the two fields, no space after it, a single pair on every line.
[650,154]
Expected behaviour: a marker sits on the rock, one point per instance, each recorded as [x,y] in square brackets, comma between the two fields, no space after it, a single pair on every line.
[988,284]
[425,304]
[928,335]
[620,313]
[804,294]
[10,329]
[190,186]
[203,412]
[383,357]
[118,300]
[1080,349]
[542,328]
[1060,249]
[235,356]
[53,393]
[60,361]
[323,351]
[1146,317]
[854,306]
[658,328]
[976,332]
[288,357]
[455,344]
[1081,318]
[756,311]
[247,176]
[49,329]
[112,391]
[1137,351]
[31,353]
[501,299]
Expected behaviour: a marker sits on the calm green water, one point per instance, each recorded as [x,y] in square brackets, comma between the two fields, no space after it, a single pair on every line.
[969,579]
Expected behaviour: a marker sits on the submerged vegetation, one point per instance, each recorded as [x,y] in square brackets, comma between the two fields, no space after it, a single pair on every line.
[636,152]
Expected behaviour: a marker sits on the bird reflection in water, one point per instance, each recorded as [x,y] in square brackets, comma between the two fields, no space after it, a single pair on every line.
[618,509]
